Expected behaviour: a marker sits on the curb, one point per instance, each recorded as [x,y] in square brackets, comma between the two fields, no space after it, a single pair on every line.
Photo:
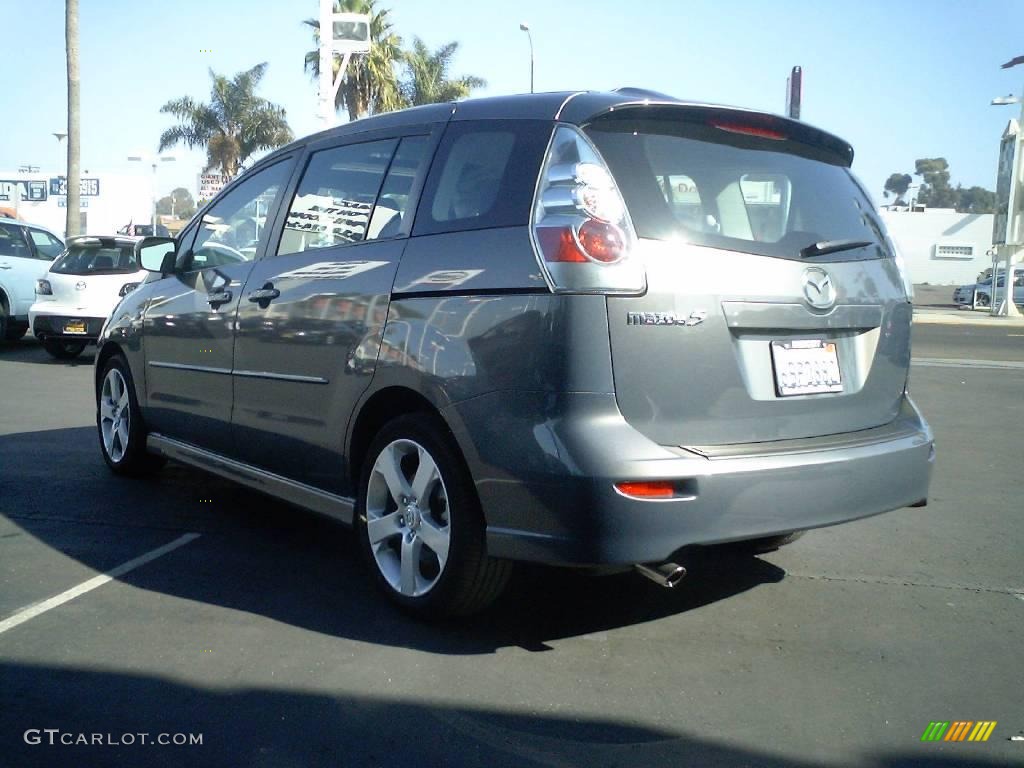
[937,318]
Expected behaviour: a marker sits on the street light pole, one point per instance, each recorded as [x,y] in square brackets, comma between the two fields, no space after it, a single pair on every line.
[526,28]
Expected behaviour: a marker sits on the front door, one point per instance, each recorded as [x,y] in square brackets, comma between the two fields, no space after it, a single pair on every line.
[189,323]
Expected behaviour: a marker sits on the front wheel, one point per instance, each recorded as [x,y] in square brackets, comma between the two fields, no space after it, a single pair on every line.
[119,422]
[419,523]
[64,350]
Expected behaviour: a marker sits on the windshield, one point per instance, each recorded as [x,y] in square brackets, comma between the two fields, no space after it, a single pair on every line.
[106,258]
[725,188]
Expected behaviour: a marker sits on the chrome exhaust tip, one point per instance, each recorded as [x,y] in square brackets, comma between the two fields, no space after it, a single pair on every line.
[666,575]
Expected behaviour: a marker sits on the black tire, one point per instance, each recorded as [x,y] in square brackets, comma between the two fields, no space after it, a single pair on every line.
[4,319]
[64,350]
[469,579]
[982,300]
[767,543]
[132,459]
[14,331]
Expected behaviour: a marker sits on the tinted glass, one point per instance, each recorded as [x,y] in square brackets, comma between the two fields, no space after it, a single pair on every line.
[393,203]
[47,246]
[234,228]
[12,242]
[335,198]
[738,192]
[106,257]
[484,176]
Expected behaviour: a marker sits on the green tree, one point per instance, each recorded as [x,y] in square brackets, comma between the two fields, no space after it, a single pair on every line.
[370,84]
[976,200]
[426,79]
[233,126]
[898,184]
[179,203]
[935,191]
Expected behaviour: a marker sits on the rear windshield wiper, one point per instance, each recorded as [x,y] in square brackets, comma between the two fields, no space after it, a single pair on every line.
[832,246]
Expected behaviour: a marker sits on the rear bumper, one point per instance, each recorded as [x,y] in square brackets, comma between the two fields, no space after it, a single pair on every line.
[545,479]
[53,326]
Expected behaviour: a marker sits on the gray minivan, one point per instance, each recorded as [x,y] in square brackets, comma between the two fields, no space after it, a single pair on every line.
[586,329]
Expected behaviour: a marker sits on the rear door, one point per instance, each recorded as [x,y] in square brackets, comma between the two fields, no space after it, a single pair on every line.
[748,330]
[20,267]
[312,311]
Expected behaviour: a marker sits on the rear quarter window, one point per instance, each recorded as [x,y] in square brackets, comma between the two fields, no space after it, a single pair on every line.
[483,176]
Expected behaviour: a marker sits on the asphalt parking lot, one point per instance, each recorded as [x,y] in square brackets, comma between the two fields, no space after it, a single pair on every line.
[262,635]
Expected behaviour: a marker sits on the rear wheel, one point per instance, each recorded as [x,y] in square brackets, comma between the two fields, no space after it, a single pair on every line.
[119,422]
[419,522]
[64,350]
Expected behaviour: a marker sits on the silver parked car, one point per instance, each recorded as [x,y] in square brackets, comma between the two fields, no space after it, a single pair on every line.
[980,294]
[589,329]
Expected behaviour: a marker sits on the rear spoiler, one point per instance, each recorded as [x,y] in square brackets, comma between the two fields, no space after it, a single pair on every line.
[735,120]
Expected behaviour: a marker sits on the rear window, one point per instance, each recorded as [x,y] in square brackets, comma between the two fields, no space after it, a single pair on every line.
[106,258]
[736,191]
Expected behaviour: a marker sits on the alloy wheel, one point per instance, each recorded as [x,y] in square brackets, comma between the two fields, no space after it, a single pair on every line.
[115,415]
[407,518]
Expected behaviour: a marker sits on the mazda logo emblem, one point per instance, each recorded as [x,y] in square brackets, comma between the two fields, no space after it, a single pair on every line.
[80,285]
[818,288]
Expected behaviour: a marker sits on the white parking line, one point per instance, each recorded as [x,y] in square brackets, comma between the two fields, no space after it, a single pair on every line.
[98,581]
[937,362]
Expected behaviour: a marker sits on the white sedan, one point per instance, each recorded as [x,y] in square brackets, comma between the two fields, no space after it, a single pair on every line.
[81,289]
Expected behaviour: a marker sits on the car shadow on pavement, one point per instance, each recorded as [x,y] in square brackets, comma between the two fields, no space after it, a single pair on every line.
[268,558]
[29,350]
[271,726]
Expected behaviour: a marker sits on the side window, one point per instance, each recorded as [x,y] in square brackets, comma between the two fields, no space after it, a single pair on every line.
[234,228]
[12,242]
[47,246]
[484,176]
[393,203]
[336,195]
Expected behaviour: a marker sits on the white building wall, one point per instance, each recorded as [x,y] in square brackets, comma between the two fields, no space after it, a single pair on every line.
[112,200]
[941,246]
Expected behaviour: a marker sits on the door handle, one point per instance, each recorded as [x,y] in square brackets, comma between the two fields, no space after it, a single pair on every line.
[266,293]
[5,266]
[218,298]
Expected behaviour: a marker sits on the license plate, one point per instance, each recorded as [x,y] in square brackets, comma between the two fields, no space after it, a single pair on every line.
[806,367]
[75,327]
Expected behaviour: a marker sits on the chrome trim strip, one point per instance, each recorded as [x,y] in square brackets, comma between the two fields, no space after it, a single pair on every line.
[184,367]
[339,508]
[570,97]
[281,376]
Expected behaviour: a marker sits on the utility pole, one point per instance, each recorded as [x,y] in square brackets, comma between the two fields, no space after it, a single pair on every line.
[73,221]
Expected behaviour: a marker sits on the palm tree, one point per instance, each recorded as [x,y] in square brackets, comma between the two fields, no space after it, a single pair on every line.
[233,126]
[73,219]
[427,80]
[370,83]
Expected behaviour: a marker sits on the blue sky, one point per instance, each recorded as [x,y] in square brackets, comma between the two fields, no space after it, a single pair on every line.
[898,80]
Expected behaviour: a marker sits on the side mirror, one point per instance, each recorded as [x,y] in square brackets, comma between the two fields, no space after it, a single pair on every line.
[157,255]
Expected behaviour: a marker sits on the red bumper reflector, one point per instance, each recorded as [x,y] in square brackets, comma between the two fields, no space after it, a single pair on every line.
[647,489]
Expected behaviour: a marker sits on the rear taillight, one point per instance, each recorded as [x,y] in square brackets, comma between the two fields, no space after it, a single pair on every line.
[43,288]
[582,231]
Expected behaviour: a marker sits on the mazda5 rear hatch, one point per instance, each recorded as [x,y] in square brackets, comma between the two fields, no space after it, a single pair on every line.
[774,306]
